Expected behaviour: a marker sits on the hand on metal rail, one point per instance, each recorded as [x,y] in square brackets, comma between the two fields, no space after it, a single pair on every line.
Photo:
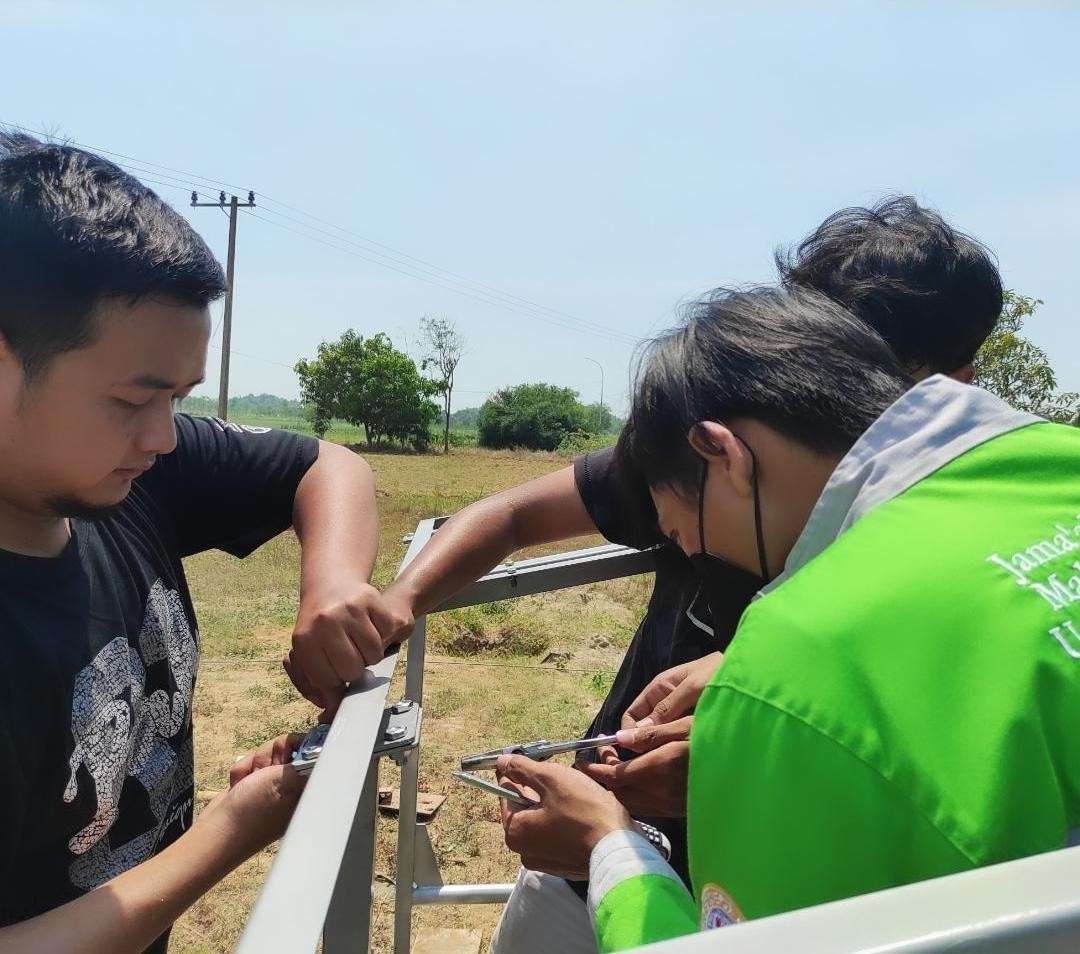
[558,835]
[397,625]
[338,633]
[263,792]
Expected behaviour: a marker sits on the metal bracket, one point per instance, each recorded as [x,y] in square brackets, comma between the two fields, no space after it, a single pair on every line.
[400,730]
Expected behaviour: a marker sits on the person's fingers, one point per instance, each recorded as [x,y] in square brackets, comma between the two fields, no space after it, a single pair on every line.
[517,768]
[284,746]
[241,768]
[607,755]
[341,652]
[392,627]
[520,827]
[677,703]
[297,672]
[297,678]
[646,700]
[292,781]
[263,756]
[655,692]
[645,738]
[612,777]
[365,637]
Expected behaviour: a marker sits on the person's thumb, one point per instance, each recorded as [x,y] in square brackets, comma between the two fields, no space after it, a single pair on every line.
[645,738]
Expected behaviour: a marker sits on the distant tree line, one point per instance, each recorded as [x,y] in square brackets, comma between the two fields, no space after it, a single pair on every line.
[371,384]
[246,405]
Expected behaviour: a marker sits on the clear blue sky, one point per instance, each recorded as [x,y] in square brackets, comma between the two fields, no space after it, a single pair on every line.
[604,159]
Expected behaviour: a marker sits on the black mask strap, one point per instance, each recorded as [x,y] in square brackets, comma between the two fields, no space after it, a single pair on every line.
[758,526]
[759,529]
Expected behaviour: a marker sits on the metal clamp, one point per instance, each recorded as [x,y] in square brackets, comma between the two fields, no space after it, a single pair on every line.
[400,729]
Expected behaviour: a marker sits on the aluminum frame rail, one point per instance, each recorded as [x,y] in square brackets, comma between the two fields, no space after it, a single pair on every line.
[1029,906]
[321,880]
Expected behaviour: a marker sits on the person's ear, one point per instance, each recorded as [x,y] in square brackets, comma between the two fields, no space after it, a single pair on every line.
[964,375]
[726,455]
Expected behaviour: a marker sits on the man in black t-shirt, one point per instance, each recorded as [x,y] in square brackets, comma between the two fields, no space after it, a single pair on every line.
[933,294]
[103,490]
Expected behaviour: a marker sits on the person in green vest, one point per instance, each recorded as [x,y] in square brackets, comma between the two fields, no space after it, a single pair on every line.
[898,703]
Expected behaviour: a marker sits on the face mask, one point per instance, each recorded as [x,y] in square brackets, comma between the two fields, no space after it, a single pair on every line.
[717,574]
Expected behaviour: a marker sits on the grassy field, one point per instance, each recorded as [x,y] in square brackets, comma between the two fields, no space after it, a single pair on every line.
[486,683]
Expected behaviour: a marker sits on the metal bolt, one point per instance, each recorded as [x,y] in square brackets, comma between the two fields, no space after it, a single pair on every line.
[400,708]
[395,732]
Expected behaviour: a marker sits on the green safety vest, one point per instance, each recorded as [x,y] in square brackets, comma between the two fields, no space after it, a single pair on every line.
[901,704]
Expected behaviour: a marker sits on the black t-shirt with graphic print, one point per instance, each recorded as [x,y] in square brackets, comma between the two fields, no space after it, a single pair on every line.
[98,656]
[678,626]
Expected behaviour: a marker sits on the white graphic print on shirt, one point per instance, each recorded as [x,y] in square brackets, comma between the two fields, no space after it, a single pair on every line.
[121,735]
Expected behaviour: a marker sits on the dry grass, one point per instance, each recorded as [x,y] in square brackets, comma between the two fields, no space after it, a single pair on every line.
[485,684]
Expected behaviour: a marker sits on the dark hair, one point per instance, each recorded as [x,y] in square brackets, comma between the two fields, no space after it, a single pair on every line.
[931,292]
[76,229]
[790,358]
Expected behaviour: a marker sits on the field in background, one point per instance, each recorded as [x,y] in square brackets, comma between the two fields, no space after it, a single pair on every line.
[474,698]
[269,411]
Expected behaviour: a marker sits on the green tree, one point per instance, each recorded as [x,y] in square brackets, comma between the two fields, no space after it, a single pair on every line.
[1010,365]
[537,416]
[602,420]
[446,346]
[371,384]
[1019,371]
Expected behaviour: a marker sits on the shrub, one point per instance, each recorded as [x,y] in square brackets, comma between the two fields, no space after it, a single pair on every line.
[535,416]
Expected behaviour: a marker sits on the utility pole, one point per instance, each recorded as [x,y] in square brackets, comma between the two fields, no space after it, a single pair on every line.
[600,424]
[226,330]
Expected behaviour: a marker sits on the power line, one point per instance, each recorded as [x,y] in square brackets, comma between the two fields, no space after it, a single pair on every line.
[446,287]
[120,155]
[445,271]
[255,357]
[440,277]
[400,258]
[431,276]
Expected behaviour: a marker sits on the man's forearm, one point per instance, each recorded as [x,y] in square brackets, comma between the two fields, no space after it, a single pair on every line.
[127,913]
[474,540]
[468,545]
[335,517]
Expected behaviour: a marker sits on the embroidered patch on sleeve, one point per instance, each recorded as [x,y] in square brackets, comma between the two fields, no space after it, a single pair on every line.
[718,908]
